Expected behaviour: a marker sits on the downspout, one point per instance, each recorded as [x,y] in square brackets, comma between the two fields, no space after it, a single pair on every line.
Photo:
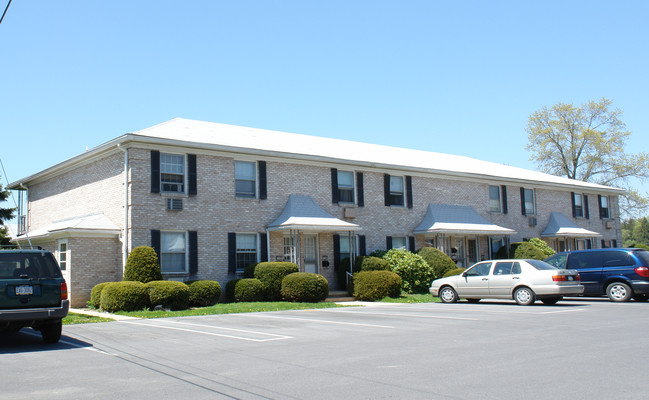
[125,235]
[268,245]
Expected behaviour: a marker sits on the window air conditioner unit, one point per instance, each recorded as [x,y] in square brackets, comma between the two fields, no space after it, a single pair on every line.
[531,221]
[174,204]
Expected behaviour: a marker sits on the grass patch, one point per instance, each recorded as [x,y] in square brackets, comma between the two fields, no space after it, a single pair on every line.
[229,308]
[74,319]
[412,298]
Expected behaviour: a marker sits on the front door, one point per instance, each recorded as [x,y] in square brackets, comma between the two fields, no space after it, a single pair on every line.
[311,253]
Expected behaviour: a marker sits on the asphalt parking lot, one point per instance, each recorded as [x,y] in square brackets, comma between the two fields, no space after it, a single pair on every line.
[578,349]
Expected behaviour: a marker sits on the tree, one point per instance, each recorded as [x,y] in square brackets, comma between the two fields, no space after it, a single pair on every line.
[5,214]
[587,143]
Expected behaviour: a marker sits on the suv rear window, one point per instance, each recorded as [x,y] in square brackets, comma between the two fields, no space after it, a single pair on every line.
[33,265]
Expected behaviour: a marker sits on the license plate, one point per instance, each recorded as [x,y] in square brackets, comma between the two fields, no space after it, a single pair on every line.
[24,290]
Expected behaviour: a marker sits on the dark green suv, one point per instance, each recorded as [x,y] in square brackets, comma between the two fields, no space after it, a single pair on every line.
[33,293]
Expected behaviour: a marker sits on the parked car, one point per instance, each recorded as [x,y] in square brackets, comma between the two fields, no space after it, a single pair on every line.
[525,281]
[33,293]
[620,274]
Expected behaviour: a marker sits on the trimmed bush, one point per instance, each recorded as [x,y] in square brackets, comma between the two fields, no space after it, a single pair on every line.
[540,243]
[375,285]
[249,271]
[124,296]
[304,287]
[248,290]
[378,253]
[526,250]
[204,293]
[416,275]
[438,261]
[453,272]
[168,294]
[95,294]
[271,274]
[142,265]
[375,264]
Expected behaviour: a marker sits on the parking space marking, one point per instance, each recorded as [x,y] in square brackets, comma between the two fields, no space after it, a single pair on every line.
[156,325]
[563,311]
[406,315]
[68,343]
[321,321]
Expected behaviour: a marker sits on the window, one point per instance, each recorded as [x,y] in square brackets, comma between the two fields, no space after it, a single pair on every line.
[345,186]
[527,201]
[246,249]
[479,269]
[494,199]
[578,205]
[398,242]
[172,173]
[173,251]
[63,254]
[603,207]
[245,179]
[289,249]
[396,191]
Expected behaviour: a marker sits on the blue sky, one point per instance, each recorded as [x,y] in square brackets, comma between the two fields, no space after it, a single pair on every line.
[458,77]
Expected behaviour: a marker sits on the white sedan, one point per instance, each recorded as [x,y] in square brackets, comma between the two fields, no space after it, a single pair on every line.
[522,280]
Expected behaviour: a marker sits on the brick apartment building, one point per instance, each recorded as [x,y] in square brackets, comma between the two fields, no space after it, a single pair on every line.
[213,198]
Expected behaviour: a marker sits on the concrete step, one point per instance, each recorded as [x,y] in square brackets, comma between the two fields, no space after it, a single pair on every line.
[339,295]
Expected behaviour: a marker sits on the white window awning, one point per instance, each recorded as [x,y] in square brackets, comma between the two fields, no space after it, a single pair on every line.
[562,226]
[302,213]
[460,220]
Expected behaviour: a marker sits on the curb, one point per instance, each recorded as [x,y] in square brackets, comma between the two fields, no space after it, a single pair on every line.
[86,311]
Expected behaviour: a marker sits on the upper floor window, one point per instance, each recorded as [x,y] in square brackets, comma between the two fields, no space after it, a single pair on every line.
[494,199]
[172,173]
[345,186]
[245,179]
[396,191]
[578,205]
[603,207]
[527,201]
[173,251]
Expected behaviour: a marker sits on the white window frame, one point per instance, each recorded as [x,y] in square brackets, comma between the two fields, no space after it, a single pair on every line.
[607,208]
[405,242]
[185,252]
[63,256]
[395,193]
[181,185]
[240,269]
[579,208]
[492,200]
[526,202]
[254,181]
[351,188]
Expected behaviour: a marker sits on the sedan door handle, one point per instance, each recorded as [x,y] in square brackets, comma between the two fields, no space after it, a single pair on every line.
[485,279]
[515,277]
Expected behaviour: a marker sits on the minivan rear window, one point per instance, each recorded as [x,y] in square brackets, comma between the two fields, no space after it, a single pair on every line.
[29,265]
[643,255]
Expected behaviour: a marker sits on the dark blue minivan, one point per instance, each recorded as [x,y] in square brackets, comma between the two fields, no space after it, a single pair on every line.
[621,274]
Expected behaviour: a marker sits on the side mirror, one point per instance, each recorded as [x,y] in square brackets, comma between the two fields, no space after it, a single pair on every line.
[464,274]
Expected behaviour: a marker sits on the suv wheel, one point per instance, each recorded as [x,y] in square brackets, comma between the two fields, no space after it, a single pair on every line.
[618,292]
[52,332]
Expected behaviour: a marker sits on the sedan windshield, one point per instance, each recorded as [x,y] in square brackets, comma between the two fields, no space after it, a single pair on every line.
[540,265]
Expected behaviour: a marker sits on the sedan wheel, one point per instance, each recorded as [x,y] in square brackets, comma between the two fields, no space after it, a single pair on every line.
[618,292]
[448,295]
[524,296]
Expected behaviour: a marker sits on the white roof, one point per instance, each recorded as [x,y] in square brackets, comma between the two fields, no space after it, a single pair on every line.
[243,139]
[562,226]
[302,213]
[452,219]
[86,224]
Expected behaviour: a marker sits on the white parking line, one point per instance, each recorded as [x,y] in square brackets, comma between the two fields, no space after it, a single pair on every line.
[155,325]
[563,311]
[78,346]
[376,312]
[321,321]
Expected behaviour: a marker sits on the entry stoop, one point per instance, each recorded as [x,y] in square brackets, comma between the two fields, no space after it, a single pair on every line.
[339,295]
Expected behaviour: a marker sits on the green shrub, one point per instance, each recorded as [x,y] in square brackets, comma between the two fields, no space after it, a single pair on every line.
[95,294]
[640,246]
[502,253]
[249,271]
[124,296]
[540,243]
[526,250]
[248,290]
[453,272]
[142,265]
[416,275]
[304,287]
[375,285]
[378,253]
[204,293]
[271,274]
[375,264]
[168,294]
[438,261]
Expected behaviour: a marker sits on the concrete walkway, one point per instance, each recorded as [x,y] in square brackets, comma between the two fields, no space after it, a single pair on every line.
[94,313]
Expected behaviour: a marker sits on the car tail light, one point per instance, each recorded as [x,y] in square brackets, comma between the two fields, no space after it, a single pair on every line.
[565,278]
[64,291]
[642,271]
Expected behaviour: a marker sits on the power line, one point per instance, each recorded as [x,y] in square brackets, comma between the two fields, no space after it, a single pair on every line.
[4,13]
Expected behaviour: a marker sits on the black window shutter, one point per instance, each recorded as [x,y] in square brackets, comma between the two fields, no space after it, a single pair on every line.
[574,206]
[409,191]
[362,246]
[589,245]
[263,248]
[388,242]
[599,204]
[155,242]
[263,182]
[193,252]
[503,195]
[232,252]
[386,188]
[360,194]
[191,174]
[586,212]
[155,171]
[523,201]
[336,251]
[411,243]
[614,243]
[334,185]
[603,244]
